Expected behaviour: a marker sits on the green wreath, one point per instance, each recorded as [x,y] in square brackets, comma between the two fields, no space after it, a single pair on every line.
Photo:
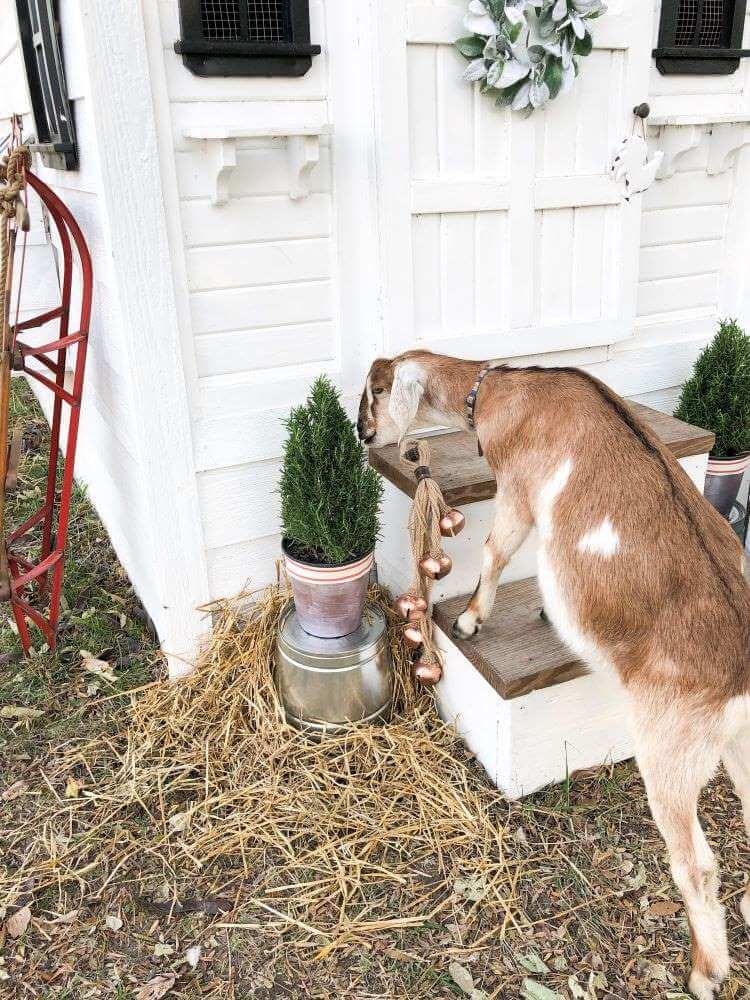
[527,51]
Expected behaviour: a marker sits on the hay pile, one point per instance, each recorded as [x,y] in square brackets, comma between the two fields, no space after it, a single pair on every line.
[209,792]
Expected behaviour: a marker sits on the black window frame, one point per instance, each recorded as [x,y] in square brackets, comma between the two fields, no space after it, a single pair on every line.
[700,60]
[229,57]
[41,47]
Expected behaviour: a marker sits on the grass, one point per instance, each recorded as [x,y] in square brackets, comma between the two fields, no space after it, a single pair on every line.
[582,864]
[100,612]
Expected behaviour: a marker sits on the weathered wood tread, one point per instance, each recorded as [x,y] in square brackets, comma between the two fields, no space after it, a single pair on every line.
[465,477]
[517,651]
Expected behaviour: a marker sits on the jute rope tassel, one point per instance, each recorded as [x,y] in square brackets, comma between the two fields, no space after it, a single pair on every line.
[430,520]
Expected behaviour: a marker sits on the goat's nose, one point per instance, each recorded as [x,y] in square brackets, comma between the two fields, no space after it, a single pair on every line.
[359,428]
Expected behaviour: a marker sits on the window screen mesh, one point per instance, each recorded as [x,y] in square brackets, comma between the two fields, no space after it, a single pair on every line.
[220,19]
[266,20]
[701,22]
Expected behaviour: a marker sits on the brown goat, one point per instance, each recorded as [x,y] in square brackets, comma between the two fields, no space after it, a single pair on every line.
[638,573]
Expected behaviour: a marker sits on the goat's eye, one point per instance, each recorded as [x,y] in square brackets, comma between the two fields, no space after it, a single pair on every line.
[379,391]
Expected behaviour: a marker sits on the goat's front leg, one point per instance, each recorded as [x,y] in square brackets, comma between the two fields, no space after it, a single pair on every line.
[512,525]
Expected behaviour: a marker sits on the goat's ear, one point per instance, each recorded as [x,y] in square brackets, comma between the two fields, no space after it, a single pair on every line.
[406,393]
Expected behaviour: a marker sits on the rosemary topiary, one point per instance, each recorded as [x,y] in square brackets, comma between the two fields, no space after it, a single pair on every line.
[330,496]
[717,394]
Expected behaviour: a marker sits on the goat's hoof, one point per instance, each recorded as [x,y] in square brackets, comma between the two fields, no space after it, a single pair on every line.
[465,631]
[703,988]
[745,907]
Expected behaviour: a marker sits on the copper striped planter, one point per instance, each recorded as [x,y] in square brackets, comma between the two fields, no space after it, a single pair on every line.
[723,480]
[329,600]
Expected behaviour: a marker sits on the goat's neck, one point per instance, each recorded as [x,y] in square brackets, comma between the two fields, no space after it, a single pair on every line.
[447,389]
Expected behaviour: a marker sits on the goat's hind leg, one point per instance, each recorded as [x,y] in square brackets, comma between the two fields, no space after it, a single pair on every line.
[676,761]
[737,762]
[509,530]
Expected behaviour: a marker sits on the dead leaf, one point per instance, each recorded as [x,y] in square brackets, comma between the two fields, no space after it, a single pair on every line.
[473,888]
[532,990]
[533,963]
[179,821]
[63,918]
[576,990]
[14,791]
[98,667]
[112,922]
[663,908]
[19,712]
[156,988]
[193,956]
[461,976]
[398,955]
[72,788]
[163,950]
[16,924]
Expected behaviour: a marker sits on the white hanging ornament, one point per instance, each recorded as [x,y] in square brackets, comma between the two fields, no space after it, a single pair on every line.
[632,167]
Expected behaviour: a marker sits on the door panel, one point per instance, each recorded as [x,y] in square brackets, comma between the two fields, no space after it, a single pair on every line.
[503,236]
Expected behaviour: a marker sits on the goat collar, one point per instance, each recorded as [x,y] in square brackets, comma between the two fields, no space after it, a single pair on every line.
[471,399]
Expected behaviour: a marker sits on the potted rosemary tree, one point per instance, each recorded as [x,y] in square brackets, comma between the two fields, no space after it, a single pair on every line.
[717,396]
[330,499]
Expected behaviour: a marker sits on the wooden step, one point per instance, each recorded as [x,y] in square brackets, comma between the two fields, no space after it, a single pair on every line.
[465,477]
[517,651]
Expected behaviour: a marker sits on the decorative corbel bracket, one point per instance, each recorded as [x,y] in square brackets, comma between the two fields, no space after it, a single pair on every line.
[725,143]
[302,154]
[675,141]
[725,133]
[224,152]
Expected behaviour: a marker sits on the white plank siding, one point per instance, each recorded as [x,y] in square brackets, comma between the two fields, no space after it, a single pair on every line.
[108,458]
[260,288]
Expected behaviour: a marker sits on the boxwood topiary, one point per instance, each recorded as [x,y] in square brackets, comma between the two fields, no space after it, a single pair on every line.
[717,394]
[330,497]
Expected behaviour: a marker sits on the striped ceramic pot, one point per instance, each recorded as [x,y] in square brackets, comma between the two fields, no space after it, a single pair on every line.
[329,600]
[723,480]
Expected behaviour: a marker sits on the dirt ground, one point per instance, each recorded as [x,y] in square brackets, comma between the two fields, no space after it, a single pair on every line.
[594,914]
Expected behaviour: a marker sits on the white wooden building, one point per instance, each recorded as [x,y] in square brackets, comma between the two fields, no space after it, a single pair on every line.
[251,232]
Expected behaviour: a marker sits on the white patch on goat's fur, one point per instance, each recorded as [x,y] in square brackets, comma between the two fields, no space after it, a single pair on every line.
[548,494]
[558,610]
[602,541]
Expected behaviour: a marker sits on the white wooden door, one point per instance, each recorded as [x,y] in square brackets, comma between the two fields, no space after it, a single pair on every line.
[502,236]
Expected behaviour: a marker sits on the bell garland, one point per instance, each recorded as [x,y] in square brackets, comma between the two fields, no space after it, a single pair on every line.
[430,520]
[527,52]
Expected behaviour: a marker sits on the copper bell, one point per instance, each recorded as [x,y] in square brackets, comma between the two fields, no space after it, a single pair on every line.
[413,636]
[428,672]
[409,607]
[436,569]
[451,523]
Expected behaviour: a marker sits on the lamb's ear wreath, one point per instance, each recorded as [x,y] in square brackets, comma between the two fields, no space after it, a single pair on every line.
[406,394]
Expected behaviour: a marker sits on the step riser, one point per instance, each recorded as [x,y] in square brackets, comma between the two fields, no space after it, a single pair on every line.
[465,550]
[540,738]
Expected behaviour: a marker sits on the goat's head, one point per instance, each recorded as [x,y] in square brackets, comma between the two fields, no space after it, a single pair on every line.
[390,401]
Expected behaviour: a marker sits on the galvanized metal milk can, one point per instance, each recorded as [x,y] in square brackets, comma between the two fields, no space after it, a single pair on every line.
[326,684]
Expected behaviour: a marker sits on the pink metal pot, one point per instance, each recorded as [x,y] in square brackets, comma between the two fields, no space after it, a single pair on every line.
[329,600]
[723,480]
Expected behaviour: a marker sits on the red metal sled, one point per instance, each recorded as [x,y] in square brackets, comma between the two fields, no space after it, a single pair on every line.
[34,585]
